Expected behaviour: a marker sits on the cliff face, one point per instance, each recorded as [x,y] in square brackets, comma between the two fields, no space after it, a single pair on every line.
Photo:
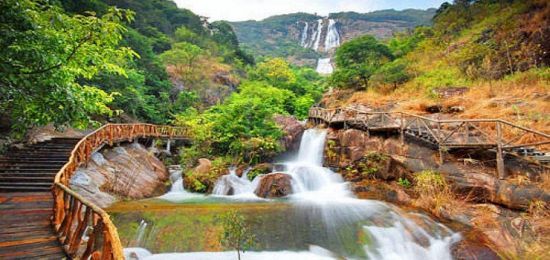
[304,38]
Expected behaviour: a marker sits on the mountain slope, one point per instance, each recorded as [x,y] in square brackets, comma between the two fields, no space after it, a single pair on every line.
[283,35]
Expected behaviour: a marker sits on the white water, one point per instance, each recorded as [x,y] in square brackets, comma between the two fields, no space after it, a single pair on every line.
[303,40]
[177,191]
[324,66]
[322,194]
[318,34]
[332,40]
[138,240]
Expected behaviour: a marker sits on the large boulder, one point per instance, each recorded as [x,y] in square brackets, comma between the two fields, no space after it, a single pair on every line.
[274,185]
[127,171]
[292,130]
[204,166]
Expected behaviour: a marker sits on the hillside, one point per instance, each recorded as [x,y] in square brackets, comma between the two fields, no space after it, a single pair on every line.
[285,35]
[499,61]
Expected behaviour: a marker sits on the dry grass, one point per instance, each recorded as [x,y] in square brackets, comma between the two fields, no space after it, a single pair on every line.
[434,194]
[545,182]
[523,100]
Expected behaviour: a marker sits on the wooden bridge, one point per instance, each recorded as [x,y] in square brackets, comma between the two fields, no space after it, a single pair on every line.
[493,134]
[41,217]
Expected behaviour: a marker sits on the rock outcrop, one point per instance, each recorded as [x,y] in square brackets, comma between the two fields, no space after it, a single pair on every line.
[274,185]
[352,148]
[292,130]
[127,171]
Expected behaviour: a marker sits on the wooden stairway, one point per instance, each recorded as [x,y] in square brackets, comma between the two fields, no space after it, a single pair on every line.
[26,201]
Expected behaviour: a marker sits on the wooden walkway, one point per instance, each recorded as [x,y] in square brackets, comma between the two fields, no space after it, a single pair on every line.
[492,134]
[41,217]
[25,228]
[26,201]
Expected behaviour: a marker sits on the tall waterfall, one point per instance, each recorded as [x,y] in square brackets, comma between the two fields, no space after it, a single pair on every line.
[321,30]
[332,40]
[318,34]
[303,40]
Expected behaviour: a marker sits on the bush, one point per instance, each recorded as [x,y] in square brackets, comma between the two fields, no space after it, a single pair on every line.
[433,191]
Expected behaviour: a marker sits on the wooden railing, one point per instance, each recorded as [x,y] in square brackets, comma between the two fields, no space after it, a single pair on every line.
[495,134]
[84,229]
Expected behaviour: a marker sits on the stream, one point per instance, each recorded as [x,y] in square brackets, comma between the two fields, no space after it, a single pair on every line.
[322,219]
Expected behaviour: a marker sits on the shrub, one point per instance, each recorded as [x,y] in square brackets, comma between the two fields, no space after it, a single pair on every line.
[432,189]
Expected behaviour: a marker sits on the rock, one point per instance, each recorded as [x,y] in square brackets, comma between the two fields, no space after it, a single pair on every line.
[241,169]
[467,249]
[355,153]
[455,109]
[381,191]
[274,185]
[127,171]
[353,138]
[204,166]
[292,129]
[450,91]
[434,109]
[259,169]
[485,187]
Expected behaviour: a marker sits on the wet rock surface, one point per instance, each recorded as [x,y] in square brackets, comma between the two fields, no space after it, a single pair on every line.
[292,129]
[493,207]
[127,171]
[274,185]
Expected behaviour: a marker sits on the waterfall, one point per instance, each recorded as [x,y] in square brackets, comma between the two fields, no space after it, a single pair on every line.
[140,233]
[324,66]
[237,187]
[318,188]
[303,41]
[323,198]
[177,191]
[318,34]
[332,40]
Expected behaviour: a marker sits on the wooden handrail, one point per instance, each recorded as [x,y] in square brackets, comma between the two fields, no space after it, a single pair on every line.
[496,134]
[318,112]
[76,218]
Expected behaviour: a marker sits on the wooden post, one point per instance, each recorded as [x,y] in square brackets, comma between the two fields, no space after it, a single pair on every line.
[500,161]
[441,154]
[402,130]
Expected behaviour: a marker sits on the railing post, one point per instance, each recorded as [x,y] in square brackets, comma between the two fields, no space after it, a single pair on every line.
[402,129]
[500,160]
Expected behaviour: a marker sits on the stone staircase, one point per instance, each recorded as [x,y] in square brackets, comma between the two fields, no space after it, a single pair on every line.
[33,167]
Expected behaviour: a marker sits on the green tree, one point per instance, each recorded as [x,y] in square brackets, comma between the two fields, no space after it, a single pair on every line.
[393,73]
[357,60]
[236,233]
[43,53]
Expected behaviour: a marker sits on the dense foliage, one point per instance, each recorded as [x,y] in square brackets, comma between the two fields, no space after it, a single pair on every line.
[412,16]
[469,41]
[358,60]
[242,126]
[73,63]
[44,52]
[279,36]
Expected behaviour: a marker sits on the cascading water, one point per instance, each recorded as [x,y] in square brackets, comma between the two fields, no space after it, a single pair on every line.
[324,211]
[332,40]
[303,40]
[140,233]
[324,66]
[318,34]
